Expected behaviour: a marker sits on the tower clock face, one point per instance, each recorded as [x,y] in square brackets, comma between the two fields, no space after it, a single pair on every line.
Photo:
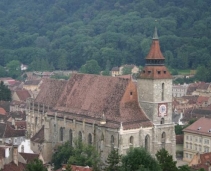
[162,110]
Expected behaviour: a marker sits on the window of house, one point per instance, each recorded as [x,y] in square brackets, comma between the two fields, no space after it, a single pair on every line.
[187,137]
[206,149]
[190,146]
[61,133]
[190,138]
[22,149]
[200,149]
[196,139]
[186,145]
[200,140]
[195,147]
[206,141]
[186,154]
[190,156]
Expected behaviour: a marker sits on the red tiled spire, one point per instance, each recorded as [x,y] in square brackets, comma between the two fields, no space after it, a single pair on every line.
[154,67]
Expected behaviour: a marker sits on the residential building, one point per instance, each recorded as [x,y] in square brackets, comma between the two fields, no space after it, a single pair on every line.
[179,90]
[197,138]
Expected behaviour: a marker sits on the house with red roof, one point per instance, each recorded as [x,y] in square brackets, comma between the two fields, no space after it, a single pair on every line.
[197,138]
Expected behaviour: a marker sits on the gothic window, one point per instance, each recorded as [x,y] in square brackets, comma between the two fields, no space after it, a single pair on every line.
[131,141]
[162,121]
[80,136]
[147,143]
[61,134]
[162,93]
[35,120]
[22,149]
[90,139]
[112,141]
[71,136]
[163,139]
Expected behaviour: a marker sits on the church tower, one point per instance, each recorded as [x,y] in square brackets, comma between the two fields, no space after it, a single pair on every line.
[155,86]
[155,98]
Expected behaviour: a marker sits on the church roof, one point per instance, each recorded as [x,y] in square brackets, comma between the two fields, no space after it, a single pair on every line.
[88,97]
[51,90]
[39,136]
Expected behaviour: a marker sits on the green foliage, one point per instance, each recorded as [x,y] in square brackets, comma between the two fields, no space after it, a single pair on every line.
[84,155]
[35,165]
[166,161]
[5,93]
[62,155]
[69,33]
[81,154]
[126,70]
[178,129]
[14,69]
[3,72]
[113,161]
[139,159]
[91,67]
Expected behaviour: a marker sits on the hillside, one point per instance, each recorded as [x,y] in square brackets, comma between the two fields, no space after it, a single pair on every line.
[64,34]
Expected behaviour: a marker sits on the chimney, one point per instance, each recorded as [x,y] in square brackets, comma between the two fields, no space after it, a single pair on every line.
[15,154]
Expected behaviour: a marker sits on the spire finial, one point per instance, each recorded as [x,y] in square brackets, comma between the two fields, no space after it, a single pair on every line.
[155,35]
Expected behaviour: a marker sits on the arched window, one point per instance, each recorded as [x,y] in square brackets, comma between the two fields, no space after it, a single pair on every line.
[71,136]
[22,149]
[162,93]
[147,143]
[112,141]
[80,136]
[90,139]
[162,121]
[131,141]
[163,139]
[61,134]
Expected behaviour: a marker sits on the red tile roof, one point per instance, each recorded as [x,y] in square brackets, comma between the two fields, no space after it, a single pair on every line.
[13,167]
[2,111]
[39,136]
[50,92]
[29,157]
[203,162]
[202,99]
[89,96]
[32,82]
[155,72]
[23,94]
[11,132]
[20,124]
[202,126]
[155,52]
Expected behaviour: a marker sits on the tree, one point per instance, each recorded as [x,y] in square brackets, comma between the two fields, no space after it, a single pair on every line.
[62,155]
[91,67]
[35,165]
[126,70]
[139,159]
[84,155]
[5,93]
[113,161]
[14,68]
[166,161]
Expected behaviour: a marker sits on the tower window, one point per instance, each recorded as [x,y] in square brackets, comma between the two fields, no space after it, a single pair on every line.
[162,121]
[162,93]
[143,71]
[149,72]
[164,72]
[158,72]
[131,93]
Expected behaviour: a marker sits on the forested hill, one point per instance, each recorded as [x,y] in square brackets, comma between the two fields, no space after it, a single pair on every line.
[67,33]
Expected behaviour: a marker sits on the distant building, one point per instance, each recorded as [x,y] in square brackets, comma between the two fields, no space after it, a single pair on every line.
[197,138]
[24,67]
[179,90]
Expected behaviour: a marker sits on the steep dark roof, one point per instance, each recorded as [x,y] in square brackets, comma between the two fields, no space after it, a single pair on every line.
[11,132]
[93,95]
[13,167]
[23,94]
[50,92]
[2,129]
[39,136]
[32,82]
[29,156]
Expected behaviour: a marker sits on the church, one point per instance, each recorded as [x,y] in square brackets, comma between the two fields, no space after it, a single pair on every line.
[107,112]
